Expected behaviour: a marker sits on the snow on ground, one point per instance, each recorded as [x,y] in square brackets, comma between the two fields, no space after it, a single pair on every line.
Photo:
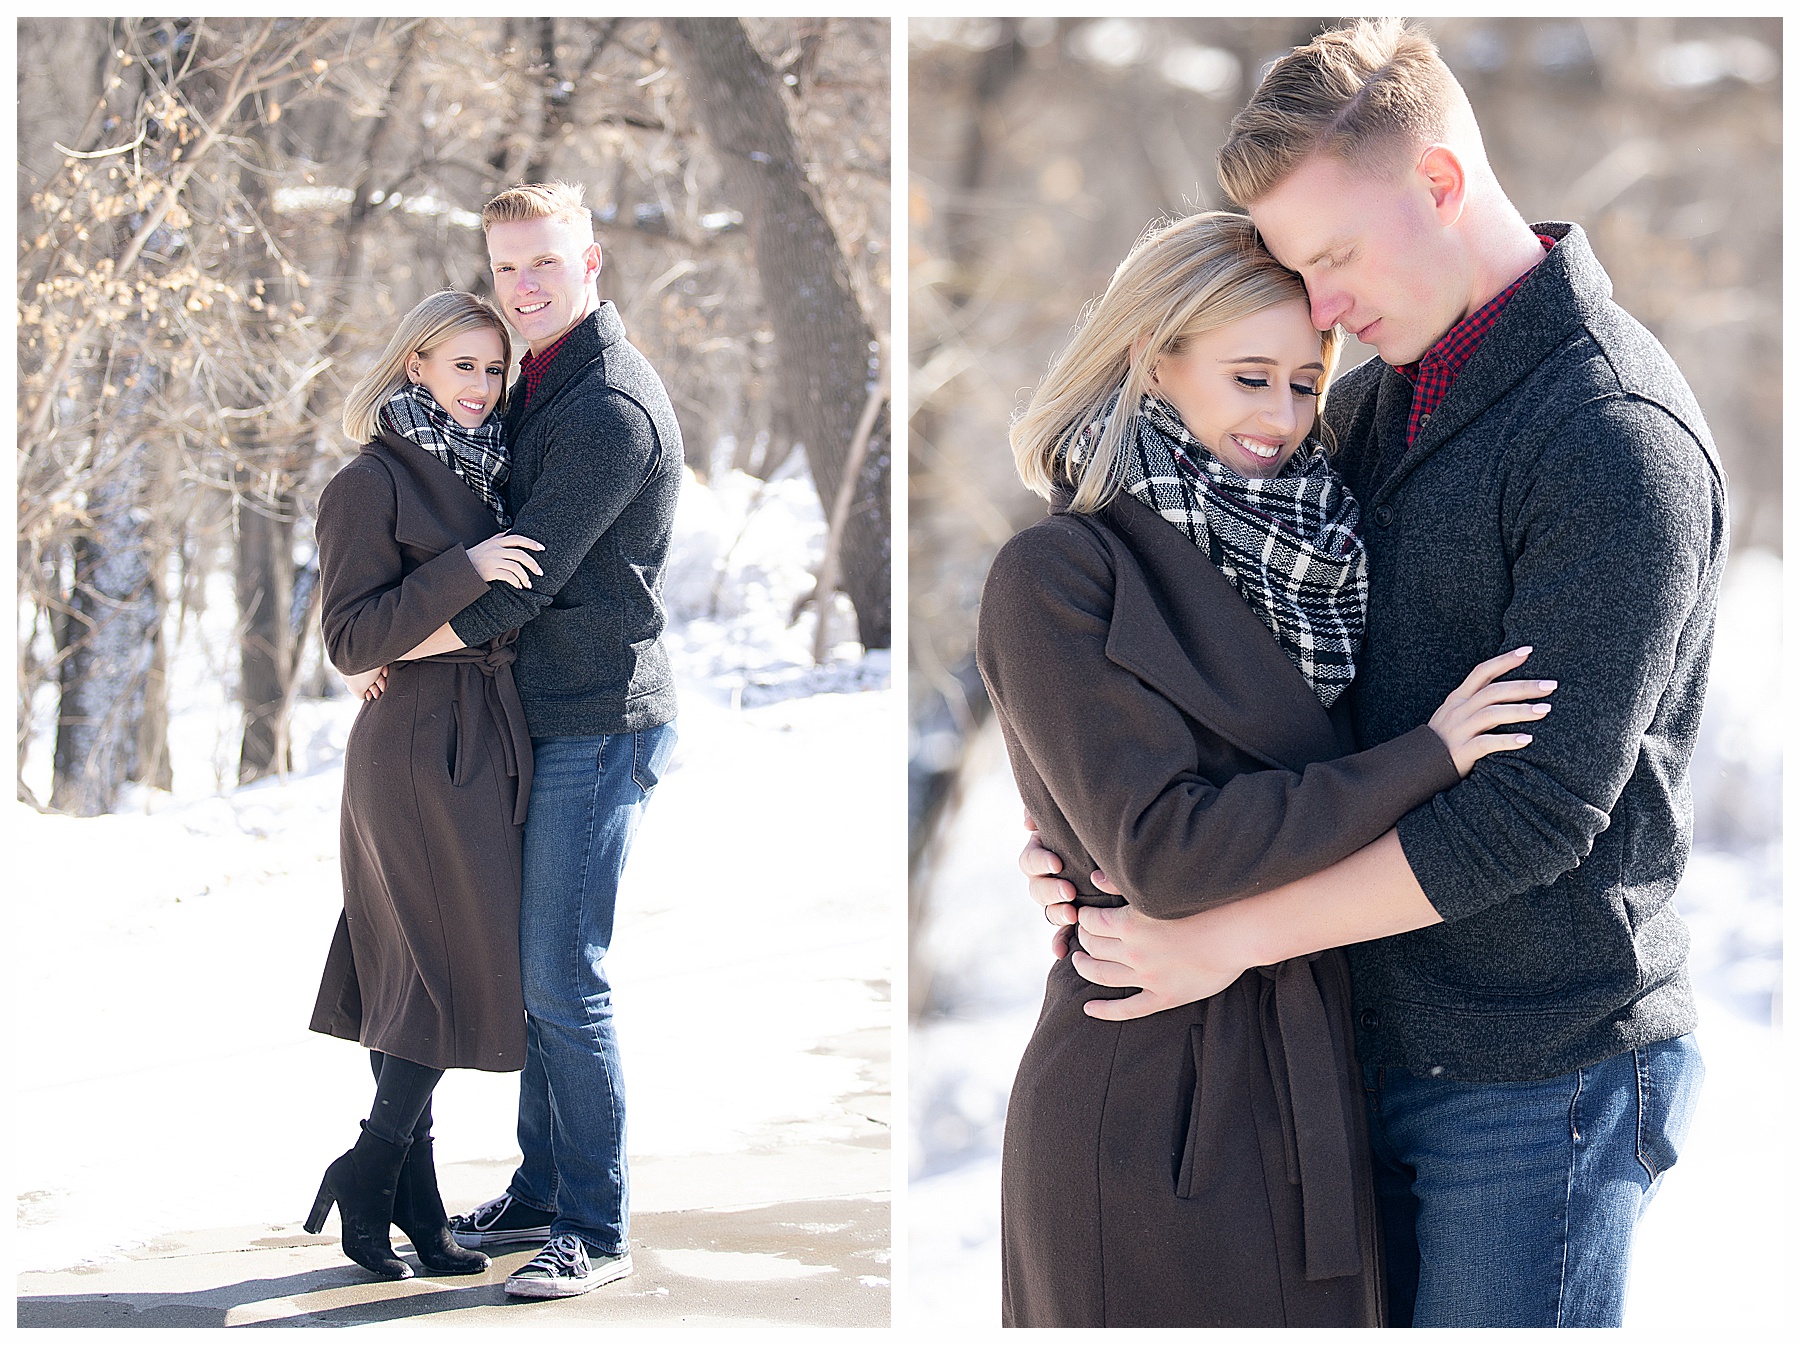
[1711,1250]
[169,953]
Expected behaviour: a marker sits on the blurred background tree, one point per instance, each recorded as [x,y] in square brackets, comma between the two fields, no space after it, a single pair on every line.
[1041,148]
[221,219]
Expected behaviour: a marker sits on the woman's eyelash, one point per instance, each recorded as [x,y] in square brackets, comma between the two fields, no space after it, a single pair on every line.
[1259,383]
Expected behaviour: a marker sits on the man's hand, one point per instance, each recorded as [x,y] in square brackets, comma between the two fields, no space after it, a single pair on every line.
[1175,962]
[1041,865]
[369,685]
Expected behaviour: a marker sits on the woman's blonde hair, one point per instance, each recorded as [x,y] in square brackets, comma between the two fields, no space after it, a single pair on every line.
[1178,281]
[435,320]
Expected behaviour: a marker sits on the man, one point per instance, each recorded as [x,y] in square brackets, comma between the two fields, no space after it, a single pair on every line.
[596,464]
[1533,471]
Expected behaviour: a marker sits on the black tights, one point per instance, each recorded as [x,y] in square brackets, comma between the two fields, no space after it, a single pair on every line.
[402,1110]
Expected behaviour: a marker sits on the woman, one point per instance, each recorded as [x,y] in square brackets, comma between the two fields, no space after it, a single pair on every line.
[1165,655]
[424,968]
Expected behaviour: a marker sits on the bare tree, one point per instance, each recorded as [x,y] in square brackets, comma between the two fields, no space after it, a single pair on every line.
[121,254]
[829,358]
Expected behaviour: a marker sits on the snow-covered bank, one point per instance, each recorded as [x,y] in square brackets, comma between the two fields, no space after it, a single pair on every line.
[167,956]
[1710,1247]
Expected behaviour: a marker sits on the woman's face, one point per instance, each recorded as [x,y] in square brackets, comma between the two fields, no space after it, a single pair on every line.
[466,373]
[1248,391]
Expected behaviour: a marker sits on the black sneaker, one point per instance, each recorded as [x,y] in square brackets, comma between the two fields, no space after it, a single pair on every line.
[501,1222]
[564,1269]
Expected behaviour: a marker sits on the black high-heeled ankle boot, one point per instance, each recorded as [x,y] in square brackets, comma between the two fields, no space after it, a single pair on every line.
[362,1183]
[419,1213]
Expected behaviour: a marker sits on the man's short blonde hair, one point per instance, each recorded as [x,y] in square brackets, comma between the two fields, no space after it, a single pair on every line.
[1359,94]
[539,200]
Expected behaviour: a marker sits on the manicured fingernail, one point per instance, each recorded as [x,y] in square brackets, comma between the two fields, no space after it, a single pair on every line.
[1546,686]
[1521,738]
[1522,649]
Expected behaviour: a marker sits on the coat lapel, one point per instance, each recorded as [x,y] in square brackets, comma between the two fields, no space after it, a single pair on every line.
[1531,328]
[1174,614]
[433,509]
[588,342]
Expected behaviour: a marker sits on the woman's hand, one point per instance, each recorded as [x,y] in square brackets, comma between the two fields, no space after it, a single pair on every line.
[506,556]
[1173,962]
[369,685]
[1469,714]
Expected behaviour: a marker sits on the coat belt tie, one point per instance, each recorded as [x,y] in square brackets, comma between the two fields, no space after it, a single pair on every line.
[494,662]
[1308,1074]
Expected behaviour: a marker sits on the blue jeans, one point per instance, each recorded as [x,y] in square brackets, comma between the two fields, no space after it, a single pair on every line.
[1513,1204]
[587,797]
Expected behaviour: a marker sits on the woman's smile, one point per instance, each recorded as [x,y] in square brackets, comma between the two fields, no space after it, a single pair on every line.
[464,373]
[1248,390]
[1263,450]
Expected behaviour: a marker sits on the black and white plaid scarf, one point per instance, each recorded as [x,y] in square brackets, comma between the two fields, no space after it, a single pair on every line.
[1289,544]
[478,456]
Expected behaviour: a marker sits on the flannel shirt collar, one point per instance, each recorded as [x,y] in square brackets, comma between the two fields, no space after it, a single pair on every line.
[1434,373]
[533,367]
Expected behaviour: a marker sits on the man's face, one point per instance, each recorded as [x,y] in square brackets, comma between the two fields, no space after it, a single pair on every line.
[1374,254]
[544,271]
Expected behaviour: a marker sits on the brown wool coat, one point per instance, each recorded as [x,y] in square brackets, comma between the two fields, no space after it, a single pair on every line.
[1208,1165]
[437,772]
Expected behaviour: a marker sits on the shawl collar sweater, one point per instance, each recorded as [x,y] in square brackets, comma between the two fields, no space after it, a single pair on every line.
[1565,495]
[596,466]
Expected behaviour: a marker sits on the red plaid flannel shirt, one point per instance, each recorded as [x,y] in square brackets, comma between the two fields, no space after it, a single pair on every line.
[1434,373]
[533,367]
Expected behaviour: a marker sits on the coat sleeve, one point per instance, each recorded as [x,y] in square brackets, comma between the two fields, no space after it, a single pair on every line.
[597,458]
[1118,759]
[1614,531]
[372,610]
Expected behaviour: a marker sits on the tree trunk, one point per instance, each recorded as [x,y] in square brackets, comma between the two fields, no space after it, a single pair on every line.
[115,625]
[826,352]
[264,577]
[265,583]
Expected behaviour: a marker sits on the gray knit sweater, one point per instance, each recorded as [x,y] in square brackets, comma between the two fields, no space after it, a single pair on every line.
[1566,495]
[596,465]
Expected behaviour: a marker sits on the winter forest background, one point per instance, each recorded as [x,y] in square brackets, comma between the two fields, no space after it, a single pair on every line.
[1039,150]
[220,220]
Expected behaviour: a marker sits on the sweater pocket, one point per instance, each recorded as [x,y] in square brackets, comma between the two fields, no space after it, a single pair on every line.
[1523,946]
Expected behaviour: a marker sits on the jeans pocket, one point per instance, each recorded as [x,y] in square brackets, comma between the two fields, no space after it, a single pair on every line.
[650,753]
[1669,1076]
